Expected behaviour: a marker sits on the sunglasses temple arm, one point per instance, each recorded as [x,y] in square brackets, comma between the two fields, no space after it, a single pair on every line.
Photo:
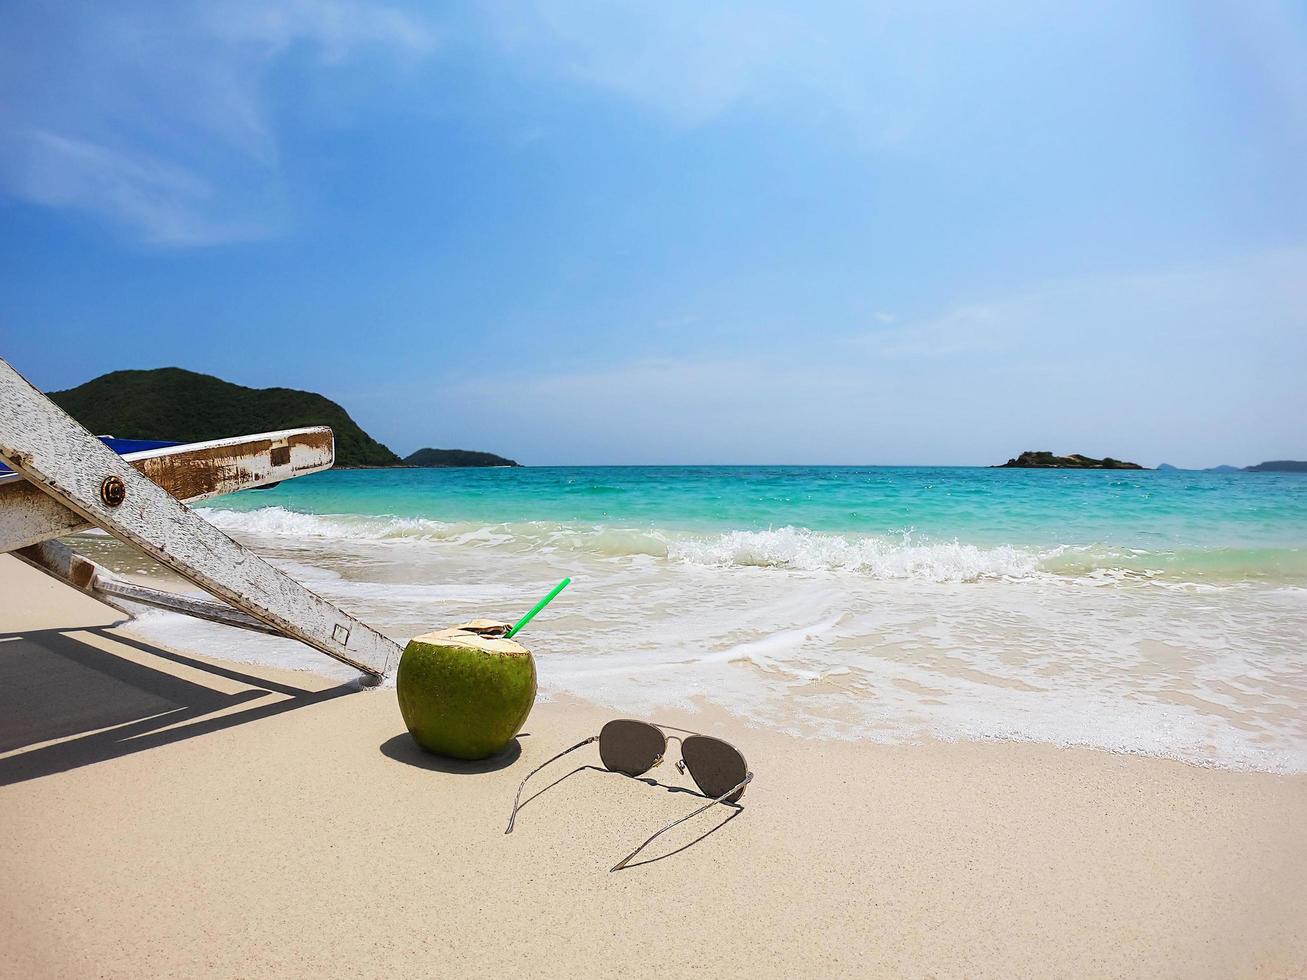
[513,816]
[730,792]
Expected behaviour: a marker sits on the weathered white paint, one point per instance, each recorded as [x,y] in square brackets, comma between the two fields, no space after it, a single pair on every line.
[60,561]
[65,461]
[216,612]
[195,471]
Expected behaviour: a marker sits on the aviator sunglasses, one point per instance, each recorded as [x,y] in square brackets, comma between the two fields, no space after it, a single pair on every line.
[634,747]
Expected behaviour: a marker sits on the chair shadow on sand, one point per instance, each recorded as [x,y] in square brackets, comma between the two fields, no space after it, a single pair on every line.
[91,705]
[734,808]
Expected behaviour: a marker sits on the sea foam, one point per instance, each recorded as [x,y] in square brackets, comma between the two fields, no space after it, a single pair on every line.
[884,558]
[888,637]
[904,556]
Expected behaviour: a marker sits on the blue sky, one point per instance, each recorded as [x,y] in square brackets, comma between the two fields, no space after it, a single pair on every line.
[611,232]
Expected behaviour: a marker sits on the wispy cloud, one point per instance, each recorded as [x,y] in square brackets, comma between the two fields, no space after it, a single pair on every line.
[1270,36]
[695,62]
[160,117]
[902,77]
[336,27]
[964,330]
[1173,366]
[1169,314]
[167,203]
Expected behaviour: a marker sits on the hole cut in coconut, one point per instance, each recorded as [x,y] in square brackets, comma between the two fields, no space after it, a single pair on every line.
[485,627]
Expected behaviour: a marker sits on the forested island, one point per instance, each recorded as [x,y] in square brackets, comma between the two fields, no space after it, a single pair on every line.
[456,457]
[177,405]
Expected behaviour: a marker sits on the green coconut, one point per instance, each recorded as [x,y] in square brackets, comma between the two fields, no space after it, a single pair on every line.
[465,692]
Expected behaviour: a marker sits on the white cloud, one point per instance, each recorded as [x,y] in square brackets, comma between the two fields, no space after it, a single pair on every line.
[158,117]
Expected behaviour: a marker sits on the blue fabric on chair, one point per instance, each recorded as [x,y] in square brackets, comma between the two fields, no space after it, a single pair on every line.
[123,446]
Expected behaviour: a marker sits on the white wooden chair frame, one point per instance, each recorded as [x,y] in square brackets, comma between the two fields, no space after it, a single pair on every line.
[66,480]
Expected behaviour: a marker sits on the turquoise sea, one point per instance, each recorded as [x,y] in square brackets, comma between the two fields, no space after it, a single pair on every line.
[1154,612]
[1200,526]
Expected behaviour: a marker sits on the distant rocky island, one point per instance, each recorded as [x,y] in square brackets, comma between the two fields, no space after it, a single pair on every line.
[184,406]
[1272,466]
[456,457]
[1032,460]
[1279,466]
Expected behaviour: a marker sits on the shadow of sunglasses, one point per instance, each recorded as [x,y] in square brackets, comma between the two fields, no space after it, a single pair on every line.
[633,747]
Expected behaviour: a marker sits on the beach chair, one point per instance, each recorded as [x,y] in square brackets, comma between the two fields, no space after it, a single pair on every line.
[66,480]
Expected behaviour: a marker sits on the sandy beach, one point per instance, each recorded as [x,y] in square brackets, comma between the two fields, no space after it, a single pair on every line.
[169,814]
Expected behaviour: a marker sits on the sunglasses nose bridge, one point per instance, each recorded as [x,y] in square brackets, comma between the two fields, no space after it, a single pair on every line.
[680,742]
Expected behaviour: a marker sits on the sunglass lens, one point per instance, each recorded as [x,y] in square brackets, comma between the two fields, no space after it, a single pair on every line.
[715,765]
[631,747]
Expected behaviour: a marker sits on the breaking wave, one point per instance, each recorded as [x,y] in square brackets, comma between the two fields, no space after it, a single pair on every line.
[905,555]
[885,558]
[798,549]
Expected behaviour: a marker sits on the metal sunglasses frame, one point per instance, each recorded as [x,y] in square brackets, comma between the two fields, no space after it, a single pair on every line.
[680,766]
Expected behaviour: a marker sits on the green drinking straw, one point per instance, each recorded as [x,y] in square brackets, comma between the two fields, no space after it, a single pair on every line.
[538,606]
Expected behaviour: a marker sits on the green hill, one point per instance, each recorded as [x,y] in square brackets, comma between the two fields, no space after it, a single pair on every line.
[170,403]
[456,457]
